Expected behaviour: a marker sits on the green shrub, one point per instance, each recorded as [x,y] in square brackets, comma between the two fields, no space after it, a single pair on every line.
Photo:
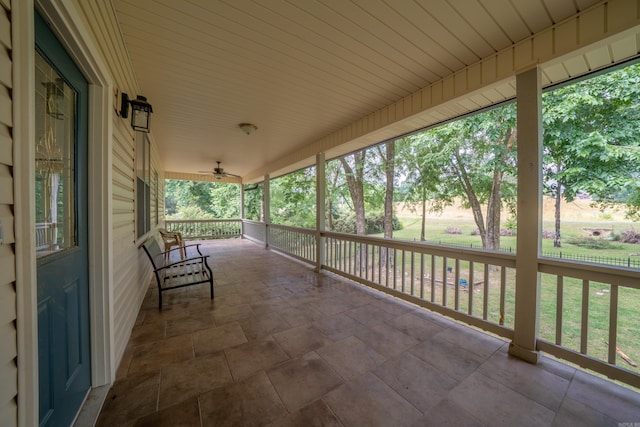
[591,243]
[374,223]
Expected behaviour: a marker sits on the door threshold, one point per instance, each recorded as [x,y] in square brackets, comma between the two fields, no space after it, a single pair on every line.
[90,409]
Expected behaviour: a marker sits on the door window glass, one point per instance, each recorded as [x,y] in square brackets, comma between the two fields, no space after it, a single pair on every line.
[55,161]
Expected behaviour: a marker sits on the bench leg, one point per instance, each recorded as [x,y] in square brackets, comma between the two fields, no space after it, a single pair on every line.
[159,299]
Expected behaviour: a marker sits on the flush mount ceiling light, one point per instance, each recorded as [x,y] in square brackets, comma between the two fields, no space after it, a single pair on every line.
[248,128]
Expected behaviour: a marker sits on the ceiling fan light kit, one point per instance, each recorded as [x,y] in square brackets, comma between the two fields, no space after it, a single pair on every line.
[248,128]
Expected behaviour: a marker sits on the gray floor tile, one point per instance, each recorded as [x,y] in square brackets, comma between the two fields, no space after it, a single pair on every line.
[496,405]
[419,383]
[368,401]
[301,381]
[350,357]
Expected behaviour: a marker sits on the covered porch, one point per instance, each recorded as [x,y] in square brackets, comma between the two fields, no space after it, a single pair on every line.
[333,332]
[283,345]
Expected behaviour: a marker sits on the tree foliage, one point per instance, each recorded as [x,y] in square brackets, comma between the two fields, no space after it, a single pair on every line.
[591,132]
[471,159]
[293,199]
[201,200]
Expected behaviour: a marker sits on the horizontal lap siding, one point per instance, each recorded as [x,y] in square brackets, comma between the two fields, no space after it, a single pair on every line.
[131,274]
[8,346]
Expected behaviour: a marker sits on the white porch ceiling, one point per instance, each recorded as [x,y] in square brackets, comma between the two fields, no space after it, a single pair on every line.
[303,69]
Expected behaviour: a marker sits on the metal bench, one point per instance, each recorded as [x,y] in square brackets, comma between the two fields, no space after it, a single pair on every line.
[190,270]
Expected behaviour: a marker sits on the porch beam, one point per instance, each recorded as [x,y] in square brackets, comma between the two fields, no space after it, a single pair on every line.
[320,209]
[529,215]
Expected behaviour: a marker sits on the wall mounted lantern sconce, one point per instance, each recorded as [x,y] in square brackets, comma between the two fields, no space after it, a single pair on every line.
[140,112]
[248,128]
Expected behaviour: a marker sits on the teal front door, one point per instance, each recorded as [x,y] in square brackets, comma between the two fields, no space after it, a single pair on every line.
[61,101]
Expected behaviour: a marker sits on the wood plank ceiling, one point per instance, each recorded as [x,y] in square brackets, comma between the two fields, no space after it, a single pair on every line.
[302,69]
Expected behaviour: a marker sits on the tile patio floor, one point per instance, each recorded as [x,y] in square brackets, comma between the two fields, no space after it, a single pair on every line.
[283,346]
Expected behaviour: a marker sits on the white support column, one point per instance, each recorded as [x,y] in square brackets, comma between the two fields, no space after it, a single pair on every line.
[320,209]
[529,214]
[242,210]
[241,201]
[266,203]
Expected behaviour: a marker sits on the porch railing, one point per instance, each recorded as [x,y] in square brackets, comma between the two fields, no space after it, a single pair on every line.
[589,316]
[466,284]
[254,230]
[206,228]
[588,313]
[297,242]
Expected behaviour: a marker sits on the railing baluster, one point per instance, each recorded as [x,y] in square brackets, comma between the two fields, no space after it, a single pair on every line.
[485,302]
[395,271]
[456,302]
[386,268]
[421,276]
[584,323]
[366,261]
[433,279]
[403,271]
[445,279]
[470,287]
[559,308]
[503,293]
[613,324]
[380,252]
[413,261]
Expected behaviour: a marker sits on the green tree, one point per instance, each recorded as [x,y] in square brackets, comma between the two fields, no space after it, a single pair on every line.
[254,202]
[225,199]
[201,199]
[591,131]
[473,159]
[293,199]
[422,159]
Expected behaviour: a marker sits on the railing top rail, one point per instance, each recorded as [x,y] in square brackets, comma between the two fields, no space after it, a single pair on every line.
[615,275]
[178,221]
[476,255]
[296,229]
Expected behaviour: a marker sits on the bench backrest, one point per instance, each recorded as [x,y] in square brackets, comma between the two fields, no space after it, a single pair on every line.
[154,252]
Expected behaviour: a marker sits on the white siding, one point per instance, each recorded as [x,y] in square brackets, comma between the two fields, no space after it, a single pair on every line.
[131,272]
[8,349]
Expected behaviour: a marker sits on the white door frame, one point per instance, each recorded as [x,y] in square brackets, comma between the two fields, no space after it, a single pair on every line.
[69,26]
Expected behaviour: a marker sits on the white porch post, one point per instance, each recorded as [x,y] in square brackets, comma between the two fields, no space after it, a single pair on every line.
[242,210]
[267,210]
[241,201]
[529,214]
[320,209]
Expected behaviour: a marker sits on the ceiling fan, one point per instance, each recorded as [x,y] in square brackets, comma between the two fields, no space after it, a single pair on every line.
[219,173]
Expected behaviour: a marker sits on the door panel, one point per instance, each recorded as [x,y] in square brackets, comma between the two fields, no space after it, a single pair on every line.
[61,231]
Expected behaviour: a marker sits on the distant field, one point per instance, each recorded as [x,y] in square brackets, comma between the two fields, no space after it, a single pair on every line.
[576,219]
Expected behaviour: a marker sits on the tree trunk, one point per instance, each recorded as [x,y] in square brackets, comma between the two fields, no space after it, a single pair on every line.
[490,234]
[476,208]
[355,183]
[556,237]
[493,211]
